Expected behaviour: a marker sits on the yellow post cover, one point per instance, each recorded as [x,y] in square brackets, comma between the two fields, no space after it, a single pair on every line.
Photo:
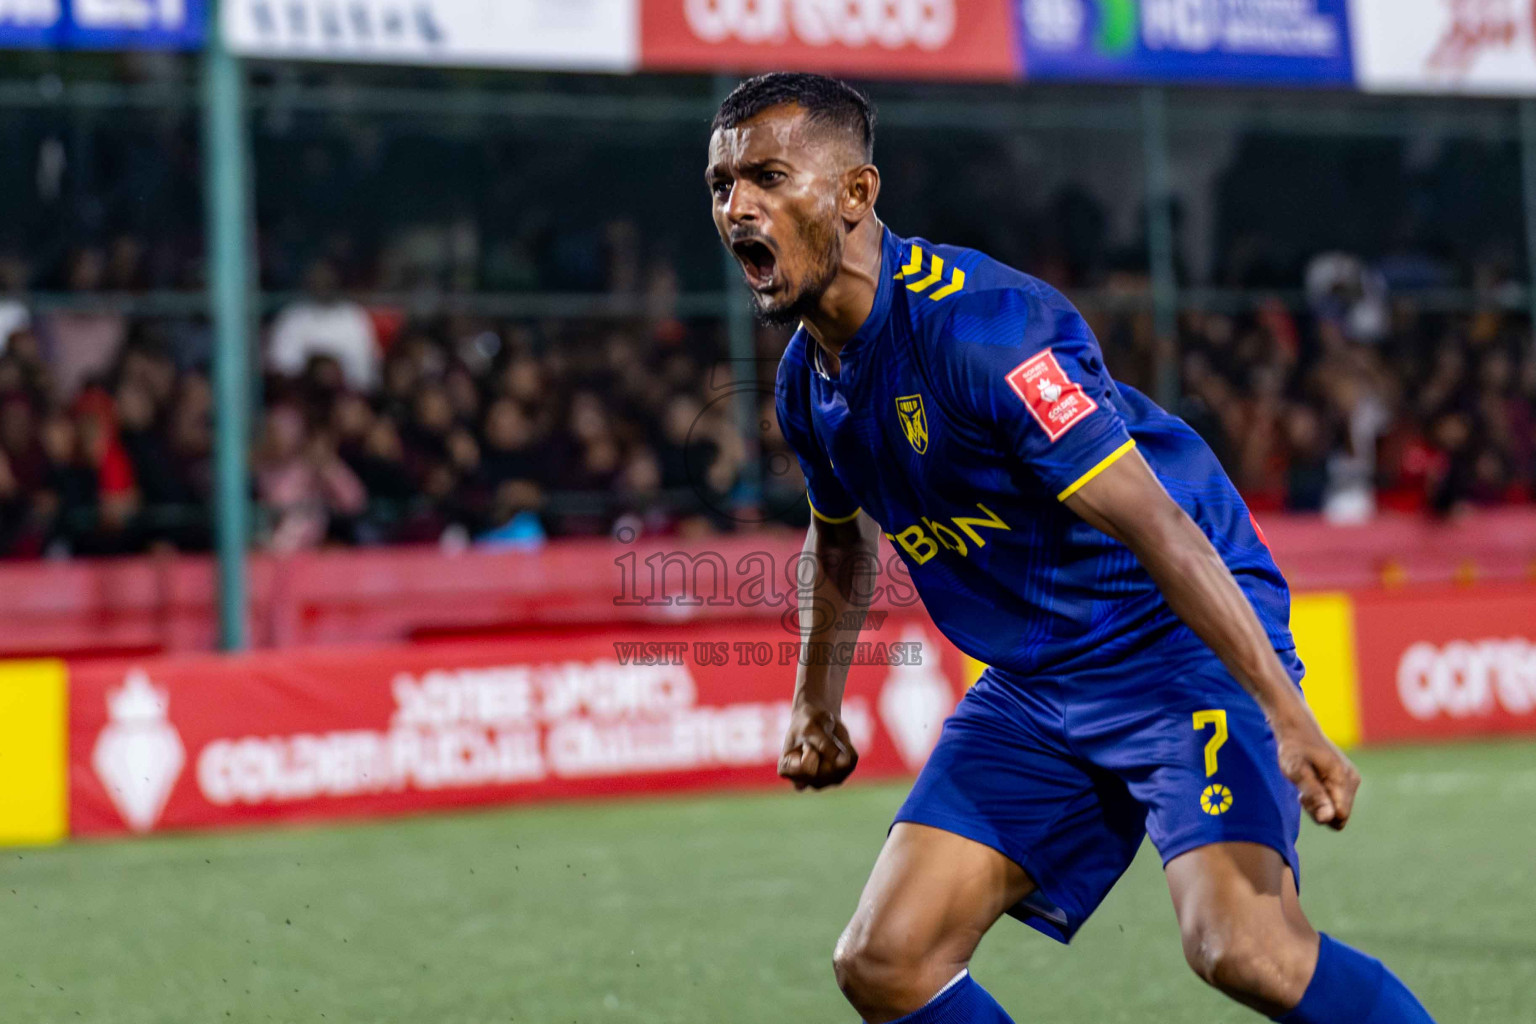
[1324,627]
[34,722]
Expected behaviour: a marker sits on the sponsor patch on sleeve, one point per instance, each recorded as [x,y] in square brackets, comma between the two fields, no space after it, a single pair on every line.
[1055,401]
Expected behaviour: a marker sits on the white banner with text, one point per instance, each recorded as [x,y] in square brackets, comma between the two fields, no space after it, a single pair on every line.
[598,35]
[1485,47]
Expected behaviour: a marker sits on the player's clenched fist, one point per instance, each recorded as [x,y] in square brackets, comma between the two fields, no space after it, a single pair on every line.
[817,750]
[1326,778]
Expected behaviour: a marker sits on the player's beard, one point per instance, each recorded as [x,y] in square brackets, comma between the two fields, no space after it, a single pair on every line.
[818,237]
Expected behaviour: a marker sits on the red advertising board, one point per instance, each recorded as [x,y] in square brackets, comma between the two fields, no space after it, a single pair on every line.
[1443,664]
[318,734]
[952,39]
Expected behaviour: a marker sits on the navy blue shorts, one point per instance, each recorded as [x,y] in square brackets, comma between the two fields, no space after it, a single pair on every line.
[1064,775]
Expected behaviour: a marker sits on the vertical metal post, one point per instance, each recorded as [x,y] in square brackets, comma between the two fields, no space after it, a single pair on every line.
[1528,196]
[742,345]
[749,395]
[1160,255]
[225,167]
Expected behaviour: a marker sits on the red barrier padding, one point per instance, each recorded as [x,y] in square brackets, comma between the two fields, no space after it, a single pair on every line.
[1396,549]
[205,741]
[1446,663]
[167,603]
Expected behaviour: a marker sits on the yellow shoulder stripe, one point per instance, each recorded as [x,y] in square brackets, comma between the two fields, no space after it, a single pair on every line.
[935,274]
[850,517]
[1104,463]
[956,282]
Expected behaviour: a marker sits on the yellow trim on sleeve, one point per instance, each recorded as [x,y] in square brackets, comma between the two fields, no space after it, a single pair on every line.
[1104,463]
[850,517]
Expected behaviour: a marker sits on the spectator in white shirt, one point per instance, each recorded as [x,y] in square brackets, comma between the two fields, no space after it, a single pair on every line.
[82,344]
[325,324]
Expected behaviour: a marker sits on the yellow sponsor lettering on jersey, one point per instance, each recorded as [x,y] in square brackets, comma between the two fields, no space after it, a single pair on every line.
[992,521]
[921,541]
[918,545]
[946,537]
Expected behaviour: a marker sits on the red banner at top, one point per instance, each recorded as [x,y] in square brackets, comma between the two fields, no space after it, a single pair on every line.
[899,38]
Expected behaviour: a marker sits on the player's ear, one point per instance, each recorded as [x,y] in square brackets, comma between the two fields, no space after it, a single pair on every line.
[861,187]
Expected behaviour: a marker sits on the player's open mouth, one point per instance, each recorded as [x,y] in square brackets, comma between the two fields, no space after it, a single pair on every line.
[757,261]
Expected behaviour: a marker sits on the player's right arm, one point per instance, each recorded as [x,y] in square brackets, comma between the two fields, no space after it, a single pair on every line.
[1030,367]
[834,579]
[834,576]
[1127,501]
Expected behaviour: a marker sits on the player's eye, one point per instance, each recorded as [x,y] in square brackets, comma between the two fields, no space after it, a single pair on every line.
[770,177]
[720,189]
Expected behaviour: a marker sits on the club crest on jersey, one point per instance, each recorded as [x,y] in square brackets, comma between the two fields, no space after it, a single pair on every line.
[1056,401]
[914,421]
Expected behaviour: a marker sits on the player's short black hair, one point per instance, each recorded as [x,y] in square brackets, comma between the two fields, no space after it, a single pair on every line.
[825,100]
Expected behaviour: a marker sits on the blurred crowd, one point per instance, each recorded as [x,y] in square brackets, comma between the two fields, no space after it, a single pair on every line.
[383,429]
[375,427]
[1357,402]
[385,420]
[378,427]
[1419,412]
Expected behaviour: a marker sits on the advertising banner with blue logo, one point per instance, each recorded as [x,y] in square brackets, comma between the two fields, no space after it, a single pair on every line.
[1233,41]
[102,24]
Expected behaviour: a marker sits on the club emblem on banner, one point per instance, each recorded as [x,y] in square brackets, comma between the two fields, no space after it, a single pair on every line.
[139,755]
[914,421]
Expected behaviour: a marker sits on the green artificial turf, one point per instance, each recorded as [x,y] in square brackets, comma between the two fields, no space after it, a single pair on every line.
[714,911]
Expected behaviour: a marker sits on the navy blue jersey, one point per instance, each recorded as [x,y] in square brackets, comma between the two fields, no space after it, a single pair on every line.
[971,403]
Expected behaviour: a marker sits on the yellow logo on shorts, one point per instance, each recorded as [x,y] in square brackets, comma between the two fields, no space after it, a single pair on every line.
[1217,799]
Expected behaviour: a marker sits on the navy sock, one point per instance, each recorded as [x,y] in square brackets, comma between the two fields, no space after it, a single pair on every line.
[1349,987]
[962,1002]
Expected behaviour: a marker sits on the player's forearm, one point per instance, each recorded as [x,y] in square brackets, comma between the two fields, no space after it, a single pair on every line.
[1201,591]
[836,577]
[1129,503]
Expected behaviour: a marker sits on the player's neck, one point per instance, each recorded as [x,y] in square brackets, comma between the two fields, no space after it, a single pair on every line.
[850,298]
